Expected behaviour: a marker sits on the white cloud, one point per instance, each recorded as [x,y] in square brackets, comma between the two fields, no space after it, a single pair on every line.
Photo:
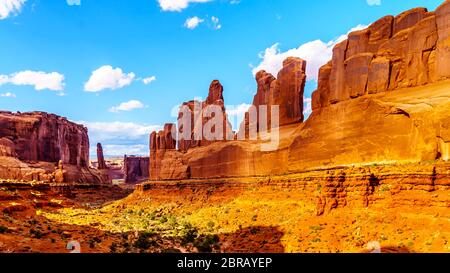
[127,106]
[74,2]
[316,53]
[119,138]
[177,5]
[237,110]
[10,7]
[215,23]
[8,95]
[121,150]
[107,77]
[149,80]
[374,2]
[38,79]
[307,110]
[193,22]
[118,132]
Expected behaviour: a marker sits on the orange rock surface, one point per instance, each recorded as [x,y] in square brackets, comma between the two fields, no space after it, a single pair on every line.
[32,145]
[383,98]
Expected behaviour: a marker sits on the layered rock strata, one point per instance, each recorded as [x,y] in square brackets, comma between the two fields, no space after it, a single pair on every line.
[382,99]
[44,147]
[136,169]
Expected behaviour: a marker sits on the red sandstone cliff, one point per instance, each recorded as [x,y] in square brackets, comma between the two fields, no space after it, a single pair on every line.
[383,98]
[32,145]
[136,169]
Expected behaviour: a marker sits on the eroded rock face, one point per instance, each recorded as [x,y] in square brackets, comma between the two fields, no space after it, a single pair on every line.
[197,117]
[7,147]
[136,169]
[39,136]
[164,156]
[410,49]
[195,129]
[36,146]
[382,99]
[285,91]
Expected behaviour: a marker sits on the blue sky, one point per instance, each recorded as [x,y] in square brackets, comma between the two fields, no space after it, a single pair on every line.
[87,60]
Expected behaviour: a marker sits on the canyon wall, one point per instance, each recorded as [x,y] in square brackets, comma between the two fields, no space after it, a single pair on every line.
[382,99]
[39,136]
[408,50]
[136,168]
[45,147]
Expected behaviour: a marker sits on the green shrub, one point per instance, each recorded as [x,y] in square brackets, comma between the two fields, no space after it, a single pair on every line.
[188,233]
[207,243]
[143,241]
[163,219]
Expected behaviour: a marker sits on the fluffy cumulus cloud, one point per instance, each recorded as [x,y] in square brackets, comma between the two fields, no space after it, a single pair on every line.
[193,22]
[107,77]
[119,138]
[10,7]
[316,53]
[178,5]
[127,106]
[74,2]
[39,80]
[374,2]
[212,22]
[149,80]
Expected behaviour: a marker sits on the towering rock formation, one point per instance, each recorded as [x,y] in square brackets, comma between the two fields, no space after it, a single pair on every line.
[135,168]
[194,115]
[101,165]
[382,98]
[196,128]
[408,50]
[285,91]
[164,158]
[32,144]
[288,91]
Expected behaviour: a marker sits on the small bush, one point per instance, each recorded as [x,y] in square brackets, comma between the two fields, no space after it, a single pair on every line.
[36,234]
[113,248]
[152,216]
[143,241]
[207,243]
[3,229]
[210,225]
[163,219]
[172,221]
[315,228]
[188,233]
